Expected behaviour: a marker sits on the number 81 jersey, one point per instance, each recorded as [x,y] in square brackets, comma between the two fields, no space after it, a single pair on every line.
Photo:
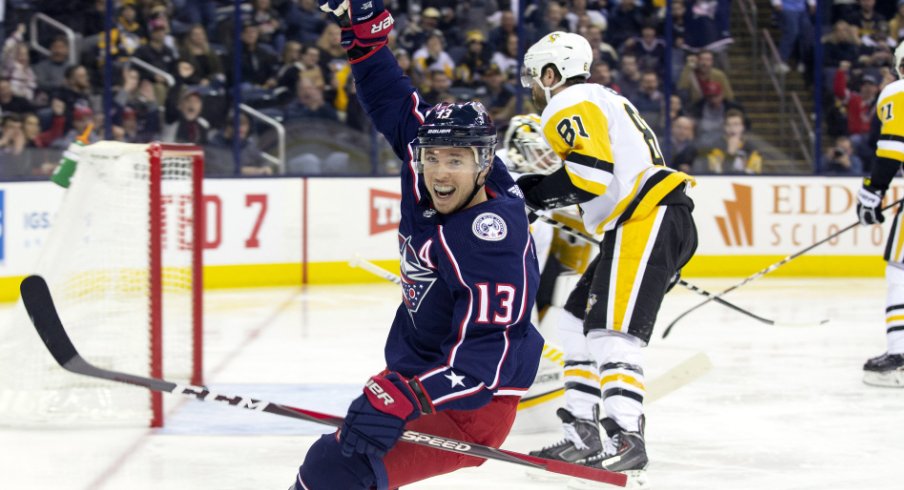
[608,150]
[890,110]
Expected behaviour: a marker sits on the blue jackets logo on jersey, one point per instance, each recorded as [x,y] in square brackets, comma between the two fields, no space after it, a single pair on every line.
[490,227]
[416,279]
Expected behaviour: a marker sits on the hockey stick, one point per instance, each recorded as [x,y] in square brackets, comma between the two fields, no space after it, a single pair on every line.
[671,380]
[771,268]
[39,304]
[583,236]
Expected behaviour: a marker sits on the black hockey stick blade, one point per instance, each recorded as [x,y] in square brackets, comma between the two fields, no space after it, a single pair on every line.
[43,314]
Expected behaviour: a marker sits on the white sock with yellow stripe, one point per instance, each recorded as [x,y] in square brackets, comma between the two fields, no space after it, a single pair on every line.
[620,360]
[894,311]
[582,384]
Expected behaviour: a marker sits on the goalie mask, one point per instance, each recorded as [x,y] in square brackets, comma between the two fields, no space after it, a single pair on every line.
[526,150]
[457,125]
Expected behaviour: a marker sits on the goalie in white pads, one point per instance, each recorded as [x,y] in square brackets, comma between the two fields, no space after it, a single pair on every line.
[613,169]
[888,369]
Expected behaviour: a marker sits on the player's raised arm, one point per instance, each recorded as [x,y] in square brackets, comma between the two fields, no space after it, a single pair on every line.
[384,91]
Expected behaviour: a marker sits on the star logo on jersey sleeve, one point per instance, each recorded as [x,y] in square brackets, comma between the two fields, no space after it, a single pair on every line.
[456,379]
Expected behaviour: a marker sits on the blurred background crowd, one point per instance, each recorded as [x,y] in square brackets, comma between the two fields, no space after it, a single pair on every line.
[729,87]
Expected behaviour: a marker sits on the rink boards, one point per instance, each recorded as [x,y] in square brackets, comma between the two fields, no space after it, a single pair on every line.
[284,231]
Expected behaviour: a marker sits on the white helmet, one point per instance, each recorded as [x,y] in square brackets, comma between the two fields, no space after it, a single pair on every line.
[525,147]
[570,53]
[899,58]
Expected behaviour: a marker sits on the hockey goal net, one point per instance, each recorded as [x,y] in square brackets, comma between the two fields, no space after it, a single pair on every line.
[123,261]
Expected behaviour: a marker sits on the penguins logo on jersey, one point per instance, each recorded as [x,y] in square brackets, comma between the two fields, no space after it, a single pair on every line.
[490,227]
[416,278]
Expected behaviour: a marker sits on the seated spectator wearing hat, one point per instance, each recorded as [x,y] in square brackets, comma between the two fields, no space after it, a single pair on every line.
[469,70]
[734,153]
[500,96]
[710,113]
[859,107]
[414,35]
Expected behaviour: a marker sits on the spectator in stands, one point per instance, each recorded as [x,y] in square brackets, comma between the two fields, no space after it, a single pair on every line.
[629,76]
[10,102]
[12,145]
[271,31]
[438,87]
[682,146]
[734,153]
[82,120]
[676,107]
[311,21]
[332,57]
[469,71]
[258,65]
[184,105]
[432,56]
[648,49]
[500,97]
[137,95]
[507,59]
[309,104]
[17,66]
[579,9]
[251,158]
[866,17]
[625,22]
[704,28]
[508,24]
[553,19]
[31,125]
[896,24]
[600,73]
[842,44]
[861,109]
[128,29]
[196,12]
[448,25]
[51,71]
[414,35]
[196,50]
[602,51]
[797,32]
[407,67]
[158,54]
[711,113]
[841,159]
[76,90]
[649,101]
[699,69]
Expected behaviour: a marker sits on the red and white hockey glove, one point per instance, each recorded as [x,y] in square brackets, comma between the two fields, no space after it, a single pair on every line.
[369,23]
[376,419]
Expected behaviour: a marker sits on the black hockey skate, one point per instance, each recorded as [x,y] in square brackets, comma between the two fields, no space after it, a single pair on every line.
[581,444]
[885,370]
[624,452]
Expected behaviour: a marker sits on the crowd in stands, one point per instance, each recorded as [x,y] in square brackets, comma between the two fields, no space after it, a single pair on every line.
[293,69]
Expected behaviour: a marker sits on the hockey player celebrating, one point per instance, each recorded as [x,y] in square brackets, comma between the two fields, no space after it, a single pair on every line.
[461,349]
[614,170]
[888,369]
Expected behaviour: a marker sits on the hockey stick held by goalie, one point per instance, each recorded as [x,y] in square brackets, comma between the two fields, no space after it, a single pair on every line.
[39,304]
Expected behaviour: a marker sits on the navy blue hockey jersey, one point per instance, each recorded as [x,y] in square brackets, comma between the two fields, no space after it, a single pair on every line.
[468,279]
